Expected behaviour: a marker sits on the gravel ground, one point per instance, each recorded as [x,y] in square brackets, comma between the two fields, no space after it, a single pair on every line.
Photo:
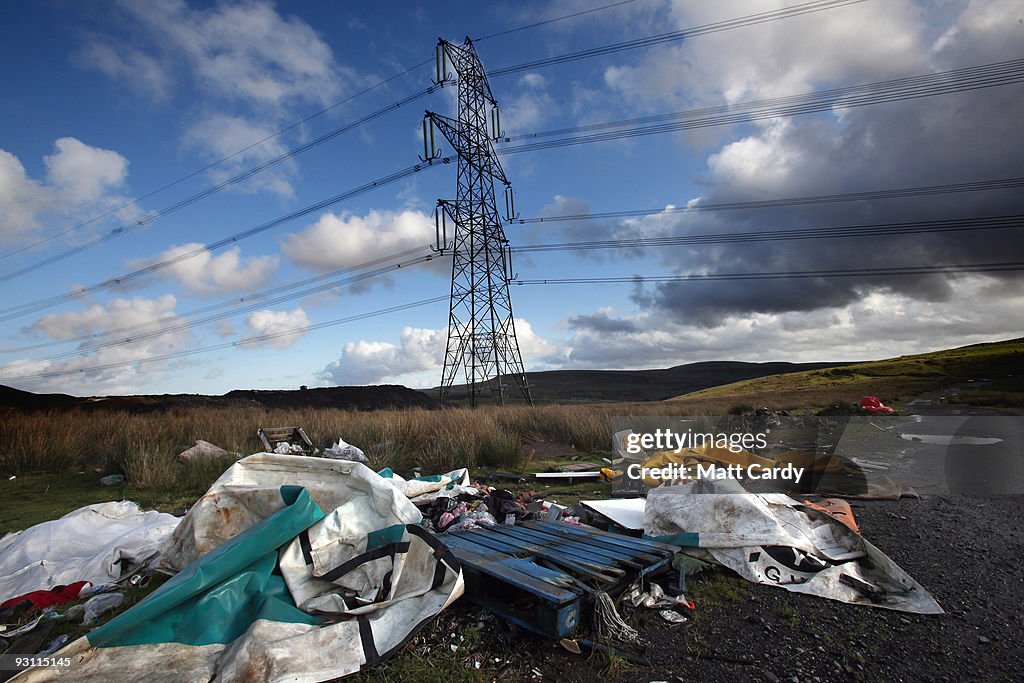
[965,551]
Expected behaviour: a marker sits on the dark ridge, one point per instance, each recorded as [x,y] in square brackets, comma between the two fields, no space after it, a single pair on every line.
[357,398]
[564,386]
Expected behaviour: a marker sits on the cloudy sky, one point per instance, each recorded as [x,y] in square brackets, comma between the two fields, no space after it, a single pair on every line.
[118,117]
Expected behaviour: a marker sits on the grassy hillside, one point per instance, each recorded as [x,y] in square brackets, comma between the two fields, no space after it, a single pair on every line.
[997,368]
[596,386]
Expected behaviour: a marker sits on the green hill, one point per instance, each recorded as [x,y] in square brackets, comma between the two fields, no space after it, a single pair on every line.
[996,369]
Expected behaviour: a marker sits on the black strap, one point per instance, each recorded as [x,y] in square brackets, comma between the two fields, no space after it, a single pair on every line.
[389,550]
[307,549]
[366,638]
[441,551]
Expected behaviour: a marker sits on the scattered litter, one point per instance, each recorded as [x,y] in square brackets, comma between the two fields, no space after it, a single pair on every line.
[571,645]
[568,475]
[655,598]
[774,540]
[75,613]
[204,450]
[55,644]
[22,630]
[95,543]
[872,404]
[140,580]
[628,513]
[98,605]
[951,439]
[291,436]
[270,574]
[609,624]
[672,616]
[285,448]
[426,489]
[58,595]
[576,467]
[345,451]
[112,480]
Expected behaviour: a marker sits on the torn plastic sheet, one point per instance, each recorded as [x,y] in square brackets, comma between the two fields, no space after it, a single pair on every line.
[341,450]
[232,614]
[774,540]
[88,544]
[426,489]
[249,491]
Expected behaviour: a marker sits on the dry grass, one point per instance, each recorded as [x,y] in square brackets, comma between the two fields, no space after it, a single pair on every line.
[144,447]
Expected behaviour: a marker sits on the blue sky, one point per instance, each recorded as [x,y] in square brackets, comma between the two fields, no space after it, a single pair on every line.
[106,102]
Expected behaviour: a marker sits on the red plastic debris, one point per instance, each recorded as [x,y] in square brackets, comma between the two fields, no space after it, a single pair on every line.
[58,595]
[874,405]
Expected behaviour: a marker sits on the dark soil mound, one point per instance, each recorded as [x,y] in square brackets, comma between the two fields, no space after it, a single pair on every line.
[358,398]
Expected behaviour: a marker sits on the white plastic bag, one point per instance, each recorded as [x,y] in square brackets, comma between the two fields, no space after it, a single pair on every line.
[345,451]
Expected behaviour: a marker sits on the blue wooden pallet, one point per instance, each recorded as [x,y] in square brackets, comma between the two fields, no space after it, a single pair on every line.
[539,574]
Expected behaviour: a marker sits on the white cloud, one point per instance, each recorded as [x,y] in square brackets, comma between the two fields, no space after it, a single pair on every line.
[217,136]
[529,107]
[416,360]
[858,42]
[82,174]
[246,51]
[254,68]
[98,319]
[957,137]
[345,240]
[81,182]
[879,325]
[21,197]
[119,319]
[277,323]
[207,274]
[126,64]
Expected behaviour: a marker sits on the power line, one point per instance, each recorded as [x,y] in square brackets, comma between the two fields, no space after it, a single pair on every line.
[217,163]
[928,85]
[273,135]
[951,269]
[245,175]
[41,304]
[551,21]
[233,301]
[191,324]
[188,201]
[869,230]
[716,27]
[229,345]
[925,190]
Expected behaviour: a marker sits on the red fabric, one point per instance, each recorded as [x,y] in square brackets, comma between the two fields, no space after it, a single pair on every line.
[43,599]
[874,405]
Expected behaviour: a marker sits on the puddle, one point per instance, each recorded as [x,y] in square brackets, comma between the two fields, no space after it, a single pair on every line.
[951,440]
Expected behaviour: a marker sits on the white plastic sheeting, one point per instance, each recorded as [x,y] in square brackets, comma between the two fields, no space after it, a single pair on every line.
[367,561]
[249,491]
[345,451]
[85,545]
[422,490]
[773,539]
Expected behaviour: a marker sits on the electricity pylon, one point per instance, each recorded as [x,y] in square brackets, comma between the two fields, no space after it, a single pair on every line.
[481,331]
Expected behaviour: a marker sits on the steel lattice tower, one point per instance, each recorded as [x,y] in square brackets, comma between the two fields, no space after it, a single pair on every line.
[481,331]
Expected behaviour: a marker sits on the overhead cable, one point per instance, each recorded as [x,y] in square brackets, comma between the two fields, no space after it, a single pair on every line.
[41,304]
[247,341]
[920,191]
[927,85]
